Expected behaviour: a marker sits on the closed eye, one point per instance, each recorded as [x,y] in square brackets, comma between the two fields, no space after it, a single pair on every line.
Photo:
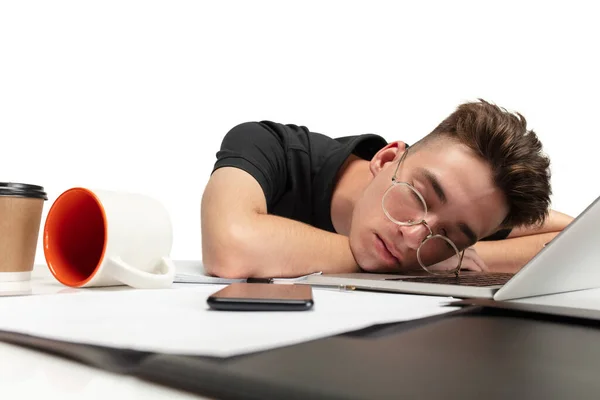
[444,233]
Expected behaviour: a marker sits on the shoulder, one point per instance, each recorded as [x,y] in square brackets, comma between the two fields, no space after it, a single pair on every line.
[265,132]
[365,145]
[290,136]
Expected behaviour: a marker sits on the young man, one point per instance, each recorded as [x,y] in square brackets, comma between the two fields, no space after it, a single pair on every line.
[472,195]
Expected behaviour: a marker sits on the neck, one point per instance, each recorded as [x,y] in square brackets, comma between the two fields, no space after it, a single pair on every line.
[351,181]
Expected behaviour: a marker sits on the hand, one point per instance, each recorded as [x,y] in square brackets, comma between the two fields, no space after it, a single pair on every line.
[471,262]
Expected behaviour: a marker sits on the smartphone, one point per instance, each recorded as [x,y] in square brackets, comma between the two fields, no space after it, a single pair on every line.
[242,296]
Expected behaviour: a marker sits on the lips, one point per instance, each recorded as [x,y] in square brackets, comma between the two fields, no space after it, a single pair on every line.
[387,250]
[392,250]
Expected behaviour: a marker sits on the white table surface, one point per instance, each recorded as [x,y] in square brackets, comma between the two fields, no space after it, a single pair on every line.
[26,373]
[29,374]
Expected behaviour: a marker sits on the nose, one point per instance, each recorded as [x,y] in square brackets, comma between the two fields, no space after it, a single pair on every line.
[415,234]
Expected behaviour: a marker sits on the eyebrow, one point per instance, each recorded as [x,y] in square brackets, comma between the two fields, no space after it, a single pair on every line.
[435,183]
[468,232]
[439,191]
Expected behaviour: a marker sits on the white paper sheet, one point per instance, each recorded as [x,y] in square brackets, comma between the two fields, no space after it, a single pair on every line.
[179,321]
[200,277]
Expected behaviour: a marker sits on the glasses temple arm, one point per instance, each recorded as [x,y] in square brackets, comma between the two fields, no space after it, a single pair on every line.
[462,254]
[398,165]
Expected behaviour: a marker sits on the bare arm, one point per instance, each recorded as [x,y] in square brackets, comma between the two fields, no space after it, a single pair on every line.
[523,243]
[240,240]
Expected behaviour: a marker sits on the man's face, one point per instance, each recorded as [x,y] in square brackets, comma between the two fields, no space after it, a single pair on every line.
[459,192]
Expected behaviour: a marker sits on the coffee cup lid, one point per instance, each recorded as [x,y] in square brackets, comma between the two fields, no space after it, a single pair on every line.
[13,189]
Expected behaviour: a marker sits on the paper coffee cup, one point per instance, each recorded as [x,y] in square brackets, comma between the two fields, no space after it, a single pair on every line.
[20,216]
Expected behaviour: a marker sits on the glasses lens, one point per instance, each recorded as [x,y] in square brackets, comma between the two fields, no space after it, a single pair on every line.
[403,205]
[438,255]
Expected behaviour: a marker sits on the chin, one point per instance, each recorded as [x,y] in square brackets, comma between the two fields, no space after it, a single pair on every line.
[369,266]
[360,253]
[365,256]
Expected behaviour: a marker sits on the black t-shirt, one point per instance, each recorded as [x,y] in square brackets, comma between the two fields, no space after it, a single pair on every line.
[295,167]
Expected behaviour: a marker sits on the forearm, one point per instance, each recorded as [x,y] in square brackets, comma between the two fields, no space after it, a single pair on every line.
[510,255]
[272,246]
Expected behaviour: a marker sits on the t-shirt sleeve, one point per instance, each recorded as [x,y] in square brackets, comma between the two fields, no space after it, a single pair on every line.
[259,150]
[499,235]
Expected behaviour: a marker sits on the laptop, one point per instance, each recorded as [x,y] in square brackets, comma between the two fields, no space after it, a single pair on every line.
[570,262]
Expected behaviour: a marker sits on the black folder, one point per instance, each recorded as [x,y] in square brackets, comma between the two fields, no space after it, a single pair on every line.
[486,349]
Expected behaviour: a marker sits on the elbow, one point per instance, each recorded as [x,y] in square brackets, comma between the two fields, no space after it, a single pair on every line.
[226,256]
[225,266]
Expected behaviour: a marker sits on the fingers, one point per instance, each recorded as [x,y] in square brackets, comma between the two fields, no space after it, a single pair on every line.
[470,262]
[483,265]
[470,265]
[473,262]
[478,260]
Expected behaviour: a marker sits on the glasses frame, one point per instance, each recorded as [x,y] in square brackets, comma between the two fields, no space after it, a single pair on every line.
[431,235]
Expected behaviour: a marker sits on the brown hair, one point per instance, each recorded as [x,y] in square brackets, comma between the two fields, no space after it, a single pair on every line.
[519,168]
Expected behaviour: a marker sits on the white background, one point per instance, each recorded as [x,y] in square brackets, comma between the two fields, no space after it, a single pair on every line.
[137,95]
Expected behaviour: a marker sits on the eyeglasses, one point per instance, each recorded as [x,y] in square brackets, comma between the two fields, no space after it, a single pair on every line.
[405,206]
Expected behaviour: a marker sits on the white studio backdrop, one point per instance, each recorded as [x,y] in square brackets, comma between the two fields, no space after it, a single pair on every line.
[137,95]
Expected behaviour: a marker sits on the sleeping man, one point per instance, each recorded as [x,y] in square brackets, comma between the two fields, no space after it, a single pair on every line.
[473,194]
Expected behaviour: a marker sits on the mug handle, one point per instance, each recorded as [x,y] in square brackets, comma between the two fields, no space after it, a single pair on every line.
[135,278]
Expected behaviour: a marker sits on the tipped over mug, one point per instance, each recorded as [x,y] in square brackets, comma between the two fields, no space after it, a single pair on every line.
[107,238]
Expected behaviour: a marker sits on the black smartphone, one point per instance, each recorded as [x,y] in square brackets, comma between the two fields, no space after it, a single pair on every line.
[242,296]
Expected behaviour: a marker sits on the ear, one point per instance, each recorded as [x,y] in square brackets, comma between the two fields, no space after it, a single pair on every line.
[390,153]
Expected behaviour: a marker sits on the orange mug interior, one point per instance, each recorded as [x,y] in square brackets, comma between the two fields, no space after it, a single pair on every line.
[75,236]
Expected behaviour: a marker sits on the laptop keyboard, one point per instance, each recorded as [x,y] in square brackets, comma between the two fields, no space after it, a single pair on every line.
[481,280]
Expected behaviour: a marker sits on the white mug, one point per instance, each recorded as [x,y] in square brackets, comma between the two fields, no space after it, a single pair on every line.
[108,238]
